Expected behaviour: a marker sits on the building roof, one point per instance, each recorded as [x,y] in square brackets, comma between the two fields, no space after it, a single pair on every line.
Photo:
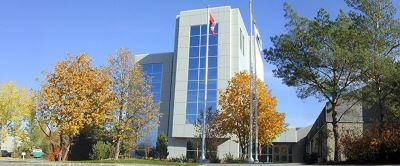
[293,135]
[290,135]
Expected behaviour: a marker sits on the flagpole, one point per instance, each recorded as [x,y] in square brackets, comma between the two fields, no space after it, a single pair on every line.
[256,85]
[250,148]
[203,141]
[256,94]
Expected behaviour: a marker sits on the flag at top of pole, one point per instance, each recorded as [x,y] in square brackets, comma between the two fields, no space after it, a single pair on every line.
[212,25]
[258,37]
[256,32]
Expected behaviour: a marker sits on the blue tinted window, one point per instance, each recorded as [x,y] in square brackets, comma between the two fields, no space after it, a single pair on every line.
[200,107]
[194,52]
[201,95]
[192,96]
[212,73]
[203,40]
[191,108]
[201,85]
[156,97]
[193,63]
[191,119]
[212,62]
[154,72]
[194,40]
[204,29]
[213,40]
[147,68]
[203,63]
[203,51]
[192,85]
[193,74]
[156,87]
[196,73]
[212,84]
[194,30]
[202,75]
[157,78]
[212,50]
[212,95]
[157,68]
[213,105]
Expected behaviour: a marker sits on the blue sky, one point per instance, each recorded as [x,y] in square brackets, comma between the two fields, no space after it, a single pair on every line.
[34,35]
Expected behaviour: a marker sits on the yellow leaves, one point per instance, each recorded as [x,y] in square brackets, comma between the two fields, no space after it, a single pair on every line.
[15,106]
[235,106]
[76,94]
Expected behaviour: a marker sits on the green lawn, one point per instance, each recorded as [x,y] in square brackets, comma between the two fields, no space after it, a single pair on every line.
[138,161]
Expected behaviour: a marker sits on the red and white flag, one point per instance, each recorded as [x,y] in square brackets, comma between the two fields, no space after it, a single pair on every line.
[212,25]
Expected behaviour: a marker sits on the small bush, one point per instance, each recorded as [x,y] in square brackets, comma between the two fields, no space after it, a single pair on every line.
[367,148]
[229,158]
[17,153]
[101,150]
[181,159]
[215,159]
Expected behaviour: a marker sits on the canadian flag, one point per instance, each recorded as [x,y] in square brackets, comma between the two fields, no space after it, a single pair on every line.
[212,25]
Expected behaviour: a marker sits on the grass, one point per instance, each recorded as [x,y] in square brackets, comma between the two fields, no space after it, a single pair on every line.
[137,161]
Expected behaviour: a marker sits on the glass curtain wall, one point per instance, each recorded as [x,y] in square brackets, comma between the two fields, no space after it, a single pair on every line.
[196,73]
[155,73]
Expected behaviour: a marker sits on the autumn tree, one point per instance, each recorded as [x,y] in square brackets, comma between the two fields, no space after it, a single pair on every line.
[234,113]
[16,104]
[136,113]
[73,96]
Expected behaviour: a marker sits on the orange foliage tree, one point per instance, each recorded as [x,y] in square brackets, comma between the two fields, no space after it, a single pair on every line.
[234,113]
[365,147]
[73,96]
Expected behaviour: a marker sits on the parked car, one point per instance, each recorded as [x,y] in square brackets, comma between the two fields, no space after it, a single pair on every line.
[37,153]
[5,153]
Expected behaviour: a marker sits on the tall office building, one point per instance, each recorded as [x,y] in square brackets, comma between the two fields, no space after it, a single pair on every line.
[179,76]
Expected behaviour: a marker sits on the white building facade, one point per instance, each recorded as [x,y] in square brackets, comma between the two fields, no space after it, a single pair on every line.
[178,77]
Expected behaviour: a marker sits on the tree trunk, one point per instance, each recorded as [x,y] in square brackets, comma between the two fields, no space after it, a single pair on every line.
[336,138]
[335,134]
[61,147]
[66,152]
[53,151]
[117,147]
[243,150]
